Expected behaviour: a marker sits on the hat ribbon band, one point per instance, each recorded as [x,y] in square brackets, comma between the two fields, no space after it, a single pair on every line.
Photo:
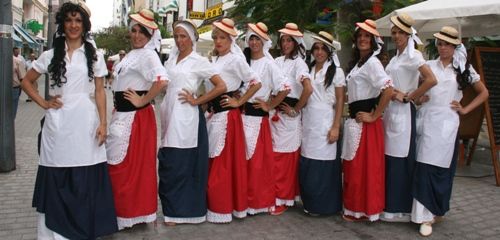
[370,25]
[226,25]
[402,22]
[325,38]
[146,17]
[262,30]
[448,35]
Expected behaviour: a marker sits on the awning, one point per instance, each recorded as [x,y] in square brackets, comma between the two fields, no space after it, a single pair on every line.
[16,40]
[26,36]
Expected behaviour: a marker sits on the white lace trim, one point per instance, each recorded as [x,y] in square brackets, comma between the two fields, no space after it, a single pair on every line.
[217,128]
[286,202]
[372,218]
[192,220]
[254,211]
[240,214]
[129,222]
[219,217]
[251,126]
[352,136]
[119,136]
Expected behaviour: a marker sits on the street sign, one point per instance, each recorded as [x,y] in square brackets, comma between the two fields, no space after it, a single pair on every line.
[196,15]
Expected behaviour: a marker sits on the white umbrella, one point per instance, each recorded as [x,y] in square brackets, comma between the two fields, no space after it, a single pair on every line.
[470,17]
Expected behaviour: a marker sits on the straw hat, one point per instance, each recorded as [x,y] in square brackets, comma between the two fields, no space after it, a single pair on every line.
[369,26]
[226,25]
[146,18]
[190,23]
[404,22]
[448,34]
[82,5]
[259,28]
[327,39]
[291,29]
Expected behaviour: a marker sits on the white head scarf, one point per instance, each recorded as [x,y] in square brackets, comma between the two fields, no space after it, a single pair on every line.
[411,42]
[174,52]
[460,57]
[155,41]
[334,50]
[267,44]
[378,40]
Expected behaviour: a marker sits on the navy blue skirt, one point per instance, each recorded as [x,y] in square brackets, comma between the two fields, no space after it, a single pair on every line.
[399,176]
[183,177]
[432,185]
[320,185]
[77,201]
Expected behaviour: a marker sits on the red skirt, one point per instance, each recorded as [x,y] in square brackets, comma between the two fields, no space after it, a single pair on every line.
[286,177]
[133,181]
[364,176]
[227,179]
[261,192]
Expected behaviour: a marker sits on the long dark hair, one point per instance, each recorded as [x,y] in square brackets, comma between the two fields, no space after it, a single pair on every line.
[356,59]
[297,49]
[330,71]
[57,66]
[463,79]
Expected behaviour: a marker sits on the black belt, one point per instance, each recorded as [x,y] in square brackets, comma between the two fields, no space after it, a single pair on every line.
[215,106]
[251,111]
[366,105]
[291,101]
[123,105]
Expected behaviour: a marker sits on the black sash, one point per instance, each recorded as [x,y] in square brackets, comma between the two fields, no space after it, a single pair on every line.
[214,105]
[123,105]
[291,101]
[366,105]
[251,111]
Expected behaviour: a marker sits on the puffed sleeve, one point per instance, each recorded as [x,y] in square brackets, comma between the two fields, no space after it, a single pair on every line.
[474,76]
[418,60]
[244,72]
[279,80]
[41,65]
[376,74]
[301,70]
[100,69]
[204,70]
[339,78]
[151,68]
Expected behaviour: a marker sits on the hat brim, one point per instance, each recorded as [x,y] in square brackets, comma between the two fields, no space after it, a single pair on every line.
[397,23]
[144,22]
[225,29]
[447,39]
[324,41]
[295,33]
[367,28]
[196,35]
[256,30]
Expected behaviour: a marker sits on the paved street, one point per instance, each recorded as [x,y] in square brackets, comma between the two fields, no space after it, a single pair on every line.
[474,214]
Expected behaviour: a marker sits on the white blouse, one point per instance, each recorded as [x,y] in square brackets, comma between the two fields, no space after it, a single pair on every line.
[295,71]
[367,81]
[179,120]
[437,122]
[404,73]
[318,115]
[69,133]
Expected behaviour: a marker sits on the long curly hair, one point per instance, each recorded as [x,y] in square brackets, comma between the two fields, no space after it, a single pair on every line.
[331,70]
[463,79]
[356,59]
[57,66]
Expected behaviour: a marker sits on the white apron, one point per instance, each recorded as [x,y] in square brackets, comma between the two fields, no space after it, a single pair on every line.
[317,120]
[397,128]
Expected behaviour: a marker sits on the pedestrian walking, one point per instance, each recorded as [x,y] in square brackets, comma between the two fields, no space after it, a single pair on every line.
[405,69]
[437,127]
[131,145]
[228,179]
[320,172]
[286,125]
[183,155]
[72,195]
[369,91]
[259,145]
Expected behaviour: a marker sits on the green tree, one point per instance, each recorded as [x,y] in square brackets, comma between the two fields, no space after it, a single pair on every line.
[113,39]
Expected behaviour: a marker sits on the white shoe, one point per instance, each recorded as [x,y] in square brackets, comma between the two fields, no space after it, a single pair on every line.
[426,229]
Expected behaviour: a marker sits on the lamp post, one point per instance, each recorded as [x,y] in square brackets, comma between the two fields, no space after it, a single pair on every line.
[7,139]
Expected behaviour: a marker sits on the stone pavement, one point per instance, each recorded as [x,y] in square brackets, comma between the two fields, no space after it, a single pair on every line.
[474,214]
